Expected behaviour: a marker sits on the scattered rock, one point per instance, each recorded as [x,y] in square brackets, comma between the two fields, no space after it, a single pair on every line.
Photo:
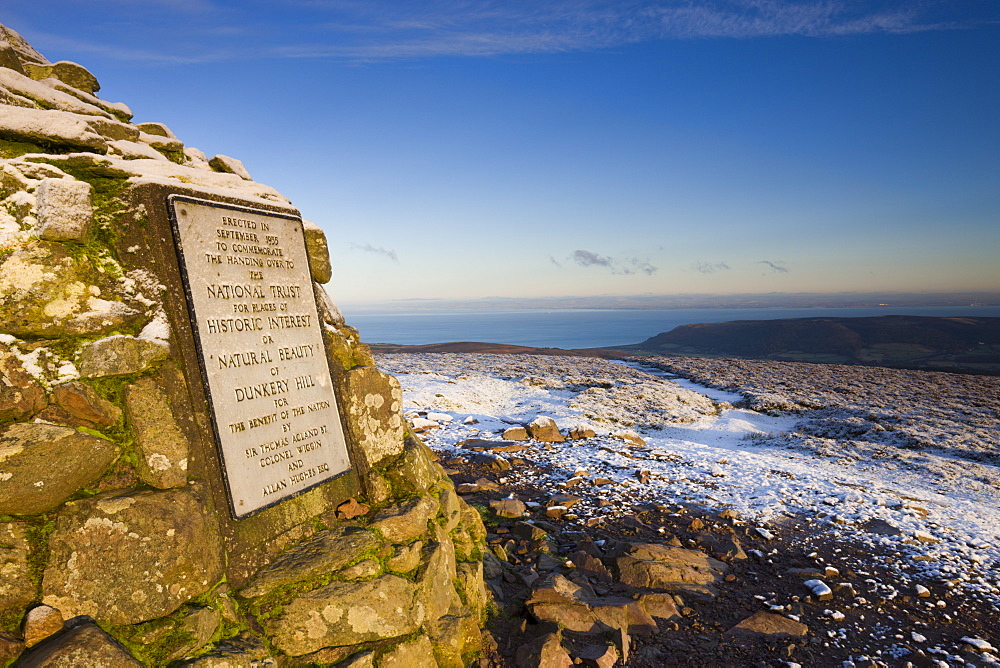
[557,599]
[629,436]
[661,606]
[565,500]
[597,656]
[580,432]
[765,623]
[672,568]
[421,425]
[544,652]
[480,445]
[544,429]
[510,507]
[515,434]
[722,547]
[819,589]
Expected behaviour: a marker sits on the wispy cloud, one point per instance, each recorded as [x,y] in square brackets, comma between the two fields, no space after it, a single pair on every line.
[380,30]
[709,267]
[622,266]
[378,250]
[776,266]
[555,262]
[393,30]
[585,258]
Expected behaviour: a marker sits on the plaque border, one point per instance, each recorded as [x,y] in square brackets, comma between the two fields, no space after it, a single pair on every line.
[195,327]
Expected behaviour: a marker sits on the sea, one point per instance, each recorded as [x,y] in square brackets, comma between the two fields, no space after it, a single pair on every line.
[590,328]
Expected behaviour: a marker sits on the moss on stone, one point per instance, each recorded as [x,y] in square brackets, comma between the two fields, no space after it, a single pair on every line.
[15,149]
[108,184]
[40,527]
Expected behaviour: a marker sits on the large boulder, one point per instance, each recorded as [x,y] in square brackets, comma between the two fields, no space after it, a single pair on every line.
[42,465]
[319,253]
[347,613]
[436,579]
[67,72]
[120,354]
[131,558]
[44,290]
[322,554]
[50,127]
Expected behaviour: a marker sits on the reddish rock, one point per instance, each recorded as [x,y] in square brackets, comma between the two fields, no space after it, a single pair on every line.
[557,599]
[544,652]
[655,566]
[765,623]
[350,509]
[10,648]
[20,394]
[82,401]
[661,606]
[598,656]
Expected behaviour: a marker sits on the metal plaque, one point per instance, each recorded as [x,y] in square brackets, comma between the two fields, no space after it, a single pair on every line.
[260,344]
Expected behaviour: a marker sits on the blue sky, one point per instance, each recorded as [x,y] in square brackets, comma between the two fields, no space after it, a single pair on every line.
[468,149]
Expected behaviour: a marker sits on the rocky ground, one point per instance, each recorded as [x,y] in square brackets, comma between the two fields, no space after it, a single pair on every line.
[793,514]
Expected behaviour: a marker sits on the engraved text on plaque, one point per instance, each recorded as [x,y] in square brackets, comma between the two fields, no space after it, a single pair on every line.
[260,343]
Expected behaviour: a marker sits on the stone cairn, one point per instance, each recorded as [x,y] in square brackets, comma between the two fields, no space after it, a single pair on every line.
[116,544]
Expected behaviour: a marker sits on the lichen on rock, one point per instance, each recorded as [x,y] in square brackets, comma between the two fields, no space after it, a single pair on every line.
[42,465]
[132,557]
[44,290]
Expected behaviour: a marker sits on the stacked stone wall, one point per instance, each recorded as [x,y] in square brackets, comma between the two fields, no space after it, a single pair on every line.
[116,544]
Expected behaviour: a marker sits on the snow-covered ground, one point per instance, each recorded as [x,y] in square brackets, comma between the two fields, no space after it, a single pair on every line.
[934,508]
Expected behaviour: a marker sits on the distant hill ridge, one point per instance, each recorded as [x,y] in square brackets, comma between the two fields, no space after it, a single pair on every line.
[958,343]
